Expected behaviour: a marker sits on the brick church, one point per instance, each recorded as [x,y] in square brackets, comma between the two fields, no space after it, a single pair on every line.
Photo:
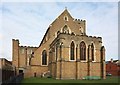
[66,52]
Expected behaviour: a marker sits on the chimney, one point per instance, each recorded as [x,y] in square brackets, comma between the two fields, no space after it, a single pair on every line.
[111,60]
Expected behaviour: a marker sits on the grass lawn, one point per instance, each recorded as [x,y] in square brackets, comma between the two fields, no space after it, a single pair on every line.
[51,80]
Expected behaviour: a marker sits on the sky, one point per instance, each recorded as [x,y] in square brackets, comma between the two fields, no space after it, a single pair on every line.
[28,22]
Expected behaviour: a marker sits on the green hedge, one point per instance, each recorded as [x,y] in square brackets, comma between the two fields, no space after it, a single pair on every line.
[92,77]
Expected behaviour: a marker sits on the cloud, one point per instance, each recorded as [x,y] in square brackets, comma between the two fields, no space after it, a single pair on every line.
[102,21]
[29,21]
[59,0]
[1,36]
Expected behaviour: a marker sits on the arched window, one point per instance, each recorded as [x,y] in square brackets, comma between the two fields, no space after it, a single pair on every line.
[82,51]
[44,57]
[88,52]
[65,29]
[92,52]
[66,18]
[72,48]
[102,52]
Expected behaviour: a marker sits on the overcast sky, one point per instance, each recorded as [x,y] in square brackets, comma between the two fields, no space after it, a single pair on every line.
[28,21]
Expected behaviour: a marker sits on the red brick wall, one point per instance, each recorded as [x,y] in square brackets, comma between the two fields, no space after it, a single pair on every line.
[113,69]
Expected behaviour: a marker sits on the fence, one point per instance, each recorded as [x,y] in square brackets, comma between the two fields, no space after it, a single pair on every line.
[6,74]
[14,80]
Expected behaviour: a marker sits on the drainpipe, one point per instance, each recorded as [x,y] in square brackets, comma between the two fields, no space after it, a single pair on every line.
[89,60]
[25,57]
[56,59]
[76,64]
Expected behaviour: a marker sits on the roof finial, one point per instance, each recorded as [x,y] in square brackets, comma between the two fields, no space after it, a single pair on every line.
[65,8]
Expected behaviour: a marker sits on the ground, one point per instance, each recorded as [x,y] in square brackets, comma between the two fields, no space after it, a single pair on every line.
[51,80]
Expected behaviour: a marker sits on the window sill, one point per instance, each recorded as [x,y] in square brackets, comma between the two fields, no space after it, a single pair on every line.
[72,60]
[83,61]
[44,65]
[93,61]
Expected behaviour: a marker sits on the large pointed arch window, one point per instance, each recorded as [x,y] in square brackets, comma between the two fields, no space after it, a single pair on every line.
[92,52]
[72,48]
[88,52]
[82,51]
[65,29]
[102,52]
[44,57]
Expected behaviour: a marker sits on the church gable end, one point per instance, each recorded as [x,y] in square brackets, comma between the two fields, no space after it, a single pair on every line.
[65,52]
[75,26]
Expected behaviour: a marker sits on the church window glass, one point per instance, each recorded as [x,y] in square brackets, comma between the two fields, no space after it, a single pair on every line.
[65,29]
[92,51]
[72,51]
[82,51]
[44,57]
[66,18]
